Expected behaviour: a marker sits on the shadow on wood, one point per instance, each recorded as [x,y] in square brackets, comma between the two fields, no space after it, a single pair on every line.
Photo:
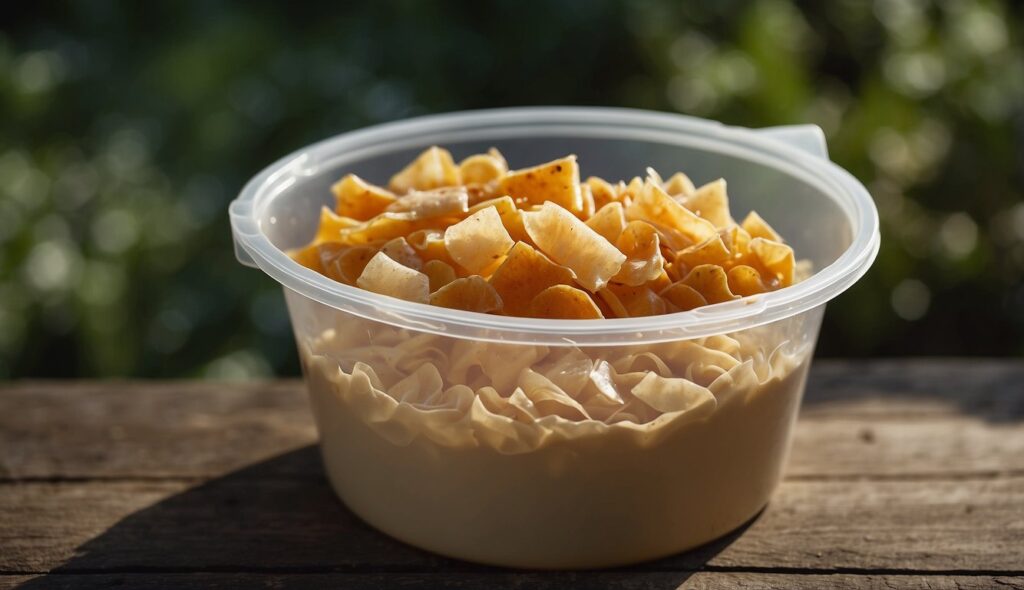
[263,519]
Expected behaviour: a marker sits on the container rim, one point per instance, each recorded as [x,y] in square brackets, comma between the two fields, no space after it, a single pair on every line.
[255,249]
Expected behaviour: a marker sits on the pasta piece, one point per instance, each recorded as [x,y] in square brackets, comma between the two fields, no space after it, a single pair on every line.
[343,263]
[745,280]
[668,395]
[776,258]
[483,168]
[569,242]
[401,252]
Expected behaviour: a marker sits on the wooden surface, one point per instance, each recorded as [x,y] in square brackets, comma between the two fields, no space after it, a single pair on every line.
[903,474]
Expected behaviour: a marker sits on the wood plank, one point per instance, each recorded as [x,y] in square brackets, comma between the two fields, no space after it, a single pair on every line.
[928,419]
[539,581]
[242,523]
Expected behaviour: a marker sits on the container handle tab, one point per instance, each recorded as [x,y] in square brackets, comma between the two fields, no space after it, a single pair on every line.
[809,138]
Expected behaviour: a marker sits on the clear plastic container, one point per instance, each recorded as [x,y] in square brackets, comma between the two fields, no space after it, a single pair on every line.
[422,432]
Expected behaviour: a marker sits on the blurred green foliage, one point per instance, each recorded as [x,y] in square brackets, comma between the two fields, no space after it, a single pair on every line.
[127,127]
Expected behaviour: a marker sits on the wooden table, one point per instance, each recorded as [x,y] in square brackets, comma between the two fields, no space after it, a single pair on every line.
[903,474]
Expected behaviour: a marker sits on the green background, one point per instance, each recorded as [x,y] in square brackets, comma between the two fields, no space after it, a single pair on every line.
[126,128]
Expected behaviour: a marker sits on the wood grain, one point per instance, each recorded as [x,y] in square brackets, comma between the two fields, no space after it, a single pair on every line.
[235,523]
[519,581]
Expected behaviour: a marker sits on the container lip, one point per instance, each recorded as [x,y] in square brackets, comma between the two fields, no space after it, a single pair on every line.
[848,193]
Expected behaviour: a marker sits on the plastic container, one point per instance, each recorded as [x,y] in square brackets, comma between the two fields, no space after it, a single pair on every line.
[418,454]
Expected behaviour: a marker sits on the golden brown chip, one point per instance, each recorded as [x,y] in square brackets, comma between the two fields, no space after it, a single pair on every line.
[557,181]
[523,275]
[429,245]
[632,302]
[759,228]
[401,252]
[308,256]
[745,280]
[478,242]
[509,214]
[440,202]
[387,277]
[359,199]
[569,242]
[710,251]
[627,193]
[601,191]
[332,225]
[684,297]
[434,168]
[588,203]
[776,258]
[609,221]
[472,293]
[711,202]
[344,264]
[711,282]
[639,242]
[439,272]
[383,228]
[482,168]
[679,185]
[564,302]
[737,241]
[654,204]
[660,282]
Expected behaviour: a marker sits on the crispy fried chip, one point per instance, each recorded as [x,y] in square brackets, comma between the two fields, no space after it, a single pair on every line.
[588,203]
[776,258]
[759,228]
[523,275]
[602,191]
[359,199]
[683,296]
[711,282]
[483,168]
[510,216]
[432,169]
[654,204]
[332,225]
[609,221]
[639,242]
[387,277]
[745,280]
[471,294]
[429,245]
[383,228]
[343,263]
[564,302]
[711,202]
[710,251]
[569,242]
[632,302]
[440,202]
[401,252]
[308,256]
[439,272]
[557,181]
[479,241]
[679,185]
